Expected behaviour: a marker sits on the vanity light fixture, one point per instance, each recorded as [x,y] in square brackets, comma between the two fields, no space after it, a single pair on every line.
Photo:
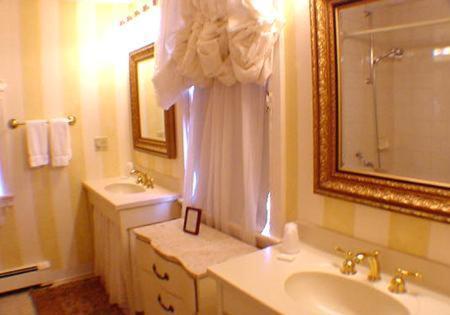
[441,54]
[136,13]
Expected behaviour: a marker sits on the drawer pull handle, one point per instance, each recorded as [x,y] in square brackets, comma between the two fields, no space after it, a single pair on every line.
[166,308]
[165,277]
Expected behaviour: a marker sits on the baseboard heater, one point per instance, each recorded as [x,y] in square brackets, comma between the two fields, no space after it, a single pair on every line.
[16,278]
[25,269]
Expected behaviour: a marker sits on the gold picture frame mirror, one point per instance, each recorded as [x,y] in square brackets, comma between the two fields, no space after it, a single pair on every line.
[153,128]
[404,194]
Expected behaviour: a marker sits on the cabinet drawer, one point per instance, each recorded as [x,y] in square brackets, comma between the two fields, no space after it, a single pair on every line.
[157,301]
[170,276]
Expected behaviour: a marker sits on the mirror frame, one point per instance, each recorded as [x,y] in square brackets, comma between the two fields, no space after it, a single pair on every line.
[418,199]
[157,147]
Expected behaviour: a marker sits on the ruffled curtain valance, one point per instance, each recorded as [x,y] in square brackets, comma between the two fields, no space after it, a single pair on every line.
[230,41]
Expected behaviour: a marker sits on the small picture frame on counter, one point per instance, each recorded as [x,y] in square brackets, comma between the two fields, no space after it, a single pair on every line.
[192,220]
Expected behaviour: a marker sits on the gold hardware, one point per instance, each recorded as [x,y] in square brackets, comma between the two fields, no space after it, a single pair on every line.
[14,123]
[133,172]
[143,179]
[398,284]
[374,264]
[148,182]
[348,266]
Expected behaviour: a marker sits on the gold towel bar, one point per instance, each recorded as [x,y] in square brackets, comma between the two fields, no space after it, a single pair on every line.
[14,123]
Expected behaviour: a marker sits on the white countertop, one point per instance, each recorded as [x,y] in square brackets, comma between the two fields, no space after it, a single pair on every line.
[194,252]
[262,276]
[125,201]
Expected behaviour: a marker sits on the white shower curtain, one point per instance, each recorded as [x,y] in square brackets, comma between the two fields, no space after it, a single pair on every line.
[224,48]
[227,165]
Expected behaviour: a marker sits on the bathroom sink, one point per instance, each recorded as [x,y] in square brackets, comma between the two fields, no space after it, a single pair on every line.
[328,294]
[124,188]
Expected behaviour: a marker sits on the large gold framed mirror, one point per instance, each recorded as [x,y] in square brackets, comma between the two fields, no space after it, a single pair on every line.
[153,128]
[382,103]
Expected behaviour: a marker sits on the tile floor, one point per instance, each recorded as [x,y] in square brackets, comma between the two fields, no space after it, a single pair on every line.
[19,303]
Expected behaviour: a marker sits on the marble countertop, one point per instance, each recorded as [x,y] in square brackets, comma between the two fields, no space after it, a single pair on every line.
[265,277]
[194,252]
[126,201]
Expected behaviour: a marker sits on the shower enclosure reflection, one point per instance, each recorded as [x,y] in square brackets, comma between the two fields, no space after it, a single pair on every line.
[394,99]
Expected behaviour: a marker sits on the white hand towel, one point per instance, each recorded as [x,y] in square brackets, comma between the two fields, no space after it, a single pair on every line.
[37,142]
[60,145]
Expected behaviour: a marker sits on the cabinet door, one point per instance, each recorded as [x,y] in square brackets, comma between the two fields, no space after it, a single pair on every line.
[206,296]
[157,301]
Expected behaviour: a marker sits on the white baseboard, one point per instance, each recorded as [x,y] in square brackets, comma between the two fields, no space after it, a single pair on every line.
[49,276]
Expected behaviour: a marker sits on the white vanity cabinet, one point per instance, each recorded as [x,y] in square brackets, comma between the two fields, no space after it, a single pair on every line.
[171,267]
[233,301]
[115,214]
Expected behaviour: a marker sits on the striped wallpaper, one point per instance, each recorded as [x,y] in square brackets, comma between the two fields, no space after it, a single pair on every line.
[400,232]
[62,57]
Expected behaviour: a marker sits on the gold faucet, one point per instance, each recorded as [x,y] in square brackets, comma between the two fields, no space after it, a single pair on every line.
[374,264]
[397,284]
[143,179]
[348,267]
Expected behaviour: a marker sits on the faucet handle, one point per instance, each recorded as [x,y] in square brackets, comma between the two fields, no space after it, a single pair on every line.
[405,273]
[398,284]
[149,181]
[348,265]
[134,172]
[347,253]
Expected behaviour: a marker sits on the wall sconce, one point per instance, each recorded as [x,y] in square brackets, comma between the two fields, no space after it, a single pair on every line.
[136,13]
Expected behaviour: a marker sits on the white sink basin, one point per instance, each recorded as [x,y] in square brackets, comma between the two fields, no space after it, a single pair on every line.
[328,294]
[124,188]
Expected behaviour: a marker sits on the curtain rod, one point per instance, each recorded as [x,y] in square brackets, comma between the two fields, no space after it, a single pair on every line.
[397,27]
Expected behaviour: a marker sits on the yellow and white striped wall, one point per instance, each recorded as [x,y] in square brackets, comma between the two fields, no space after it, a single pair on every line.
[61,57]
[400,232]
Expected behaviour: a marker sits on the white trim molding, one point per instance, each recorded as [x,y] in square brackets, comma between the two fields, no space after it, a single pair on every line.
[277,138]
[6,201]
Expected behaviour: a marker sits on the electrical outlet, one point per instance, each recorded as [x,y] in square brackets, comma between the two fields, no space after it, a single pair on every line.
[101,144]
[3,86]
